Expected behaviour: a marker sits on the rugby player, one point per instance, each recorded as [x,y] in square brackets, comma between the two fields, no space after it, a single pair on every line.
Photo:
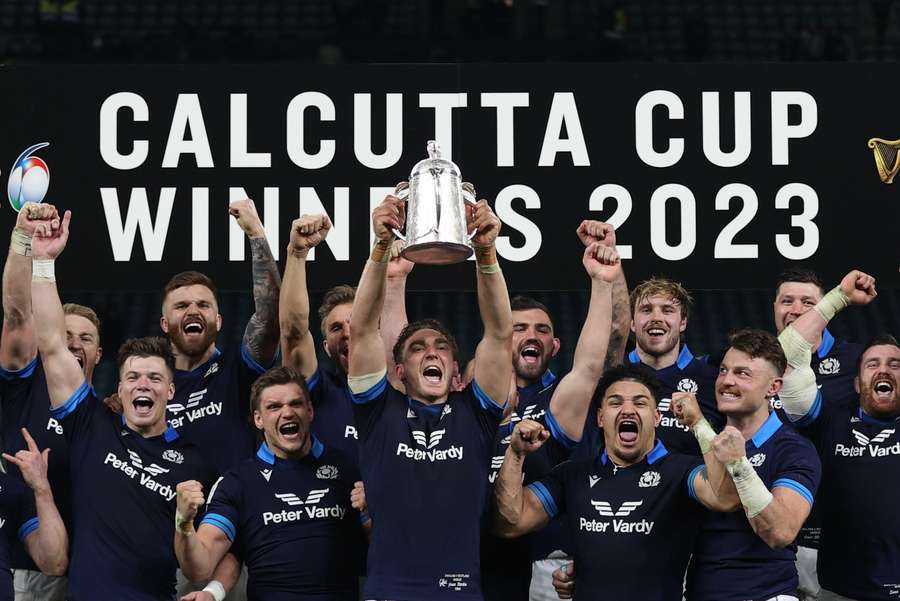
[334,424]
[23,388]
[561,406]
[834,362]
[124,469]
[631,510]
[288,509]
[859,551]
[427,450]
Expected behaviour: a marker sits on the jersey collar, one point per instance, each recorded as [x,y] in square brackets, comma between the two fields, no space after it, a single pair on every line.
[265,453]
[685,356]
[826,345]
[170,434]
[765,432]
[868,419]
[216,354]
[546,380]
[658,451]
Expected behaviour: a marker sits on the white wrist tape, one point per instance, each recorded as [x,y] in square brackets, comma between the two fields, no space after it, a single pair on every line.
[42,270]
[20,242]
[797,350]
[365,382]
[799,391]
[704,434]
[753,493]
[492,268]
[832,303]
[215,589]
[180,522]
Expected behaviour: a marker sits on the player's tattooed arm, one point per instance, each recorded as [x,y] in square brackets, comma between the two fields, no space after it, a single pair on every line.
[621,322]
[261,334]
[17,344]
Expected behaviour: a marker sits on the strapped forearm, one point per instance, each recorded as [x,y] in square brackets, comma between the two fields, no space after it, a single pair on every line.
[754,495]
[799,391]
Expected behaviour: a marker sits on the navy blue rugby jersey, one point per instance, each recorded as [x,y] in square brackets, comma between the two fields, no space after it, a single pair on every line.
[426,474]
[292,522]
[632,528]
[506,563]
[731,562]
[18,519]
[211,408]
[859,552]
[26,404]
[333,423]
[123,502]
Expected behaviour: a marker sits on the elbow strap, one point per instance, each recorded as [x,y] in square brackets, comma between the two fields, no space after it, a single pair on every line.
[750,488]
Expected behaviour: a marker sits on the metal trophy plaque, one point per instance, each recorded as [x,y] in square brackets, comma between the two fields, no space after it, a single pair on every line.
[436,231]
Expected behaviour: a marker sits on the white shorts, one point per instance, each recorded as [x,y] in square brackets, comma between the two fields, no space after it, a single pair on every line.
[806,570]
[31,585]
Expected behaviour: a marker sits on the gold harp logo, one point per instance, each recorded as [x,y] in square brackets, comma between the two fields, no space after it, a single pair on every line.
[887,159]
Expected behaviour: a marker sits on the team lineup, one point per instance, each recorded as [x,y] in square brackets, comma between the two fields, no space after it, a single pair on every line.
[388,469]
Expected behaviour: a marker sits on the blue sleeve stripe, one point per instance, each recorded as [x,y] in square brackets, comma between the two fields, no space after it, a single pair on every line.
[19,374]
[220,522]
[371,394]
[796,487]
[557,431]
[545,498]
[690,482]
[364,517]
[250,362]
[27,528]
[487,403]
[813,412]
[72,403]
[313,380]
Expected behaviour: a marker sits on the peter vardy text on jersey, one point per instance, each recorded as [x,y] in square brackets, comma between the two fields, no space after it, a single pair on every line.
[618,526]
[284,516]
[872,449]
[193,415]
[146,481]
[433,455]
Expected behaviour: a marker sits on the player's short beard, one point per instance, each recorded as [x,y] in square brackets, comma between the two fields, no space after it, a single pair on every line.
[670,343]
[194,349]
[870,406]
[531,373]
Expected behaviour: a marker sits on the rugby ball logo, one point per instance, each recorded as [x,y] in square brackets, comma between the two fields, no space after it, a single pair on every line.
[29,178]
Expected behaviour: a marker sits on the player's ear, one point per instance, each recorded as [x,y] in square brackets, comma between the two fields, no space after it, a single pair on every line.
[555,347]
[856,384]
[400,371]
[683,326]
[164,324]
[257,419]
[775,387]
[218,322]
[99,353]
[171,393]
[325,346]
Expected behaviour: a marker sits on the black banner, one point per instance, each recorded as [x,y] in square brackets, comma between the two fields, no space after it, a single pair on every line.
[717,175]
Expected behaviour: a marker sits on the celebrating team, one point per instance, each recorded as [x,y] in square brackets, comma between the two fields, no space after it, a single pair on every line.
[667,476]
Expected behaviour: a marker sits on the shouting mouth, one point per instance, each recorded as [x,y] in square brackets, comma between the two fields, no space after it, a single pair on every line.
[289,430]
[531,354]
[193,327]
[628,431]
[143,406]
[433,374]
[883,389]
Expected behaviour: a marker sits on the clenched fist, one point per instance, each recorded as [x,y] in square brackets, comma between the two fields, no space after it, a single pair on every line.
[390,214]
[32,213]
[596,231]
[244,211]
[601,262]
[307,232]
[189,498]
[729,445]
[481,219]
[686,408]
[48,241]
[528,437]
[358,497]
[859,287]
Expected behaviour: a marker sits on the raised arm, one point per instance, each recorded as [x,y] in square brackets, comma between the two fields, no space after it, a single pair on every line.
[573,394]
[393,314]
[493,356]
[17,344]
[64,375]
[517,510]
[800,392]
[297,345]
[48,544]
[261,333]
[597,231]
[198,551]
[367,354]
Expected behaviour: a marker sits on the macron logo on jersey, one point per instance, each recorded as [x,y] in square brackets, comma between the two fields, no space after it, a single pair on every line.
[309,511]
[429,442]
[212,369]
[605,509]
[871,445]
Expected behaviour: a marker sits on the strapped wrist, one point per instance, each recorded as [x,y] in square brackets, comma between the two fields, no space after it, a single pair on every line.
[832,303]
[43,270]
[704,434]
[20,242]
[381,252]
[215,589]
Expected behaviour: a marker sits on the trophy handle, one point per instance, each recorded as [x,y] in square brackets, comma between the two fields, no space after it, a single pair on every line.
[468,194]
[401,191]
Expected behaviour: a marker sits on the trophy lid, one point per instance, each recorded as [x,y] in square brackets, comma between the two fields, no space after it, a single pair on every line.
[434,162]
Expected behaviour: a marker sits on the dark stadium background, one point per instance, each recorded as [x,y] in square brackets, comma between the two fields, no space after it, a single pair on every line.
[390,31]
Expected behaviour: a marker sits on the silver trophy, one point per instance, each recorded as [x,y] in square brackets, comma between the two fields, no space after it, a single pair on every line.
[436,231]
